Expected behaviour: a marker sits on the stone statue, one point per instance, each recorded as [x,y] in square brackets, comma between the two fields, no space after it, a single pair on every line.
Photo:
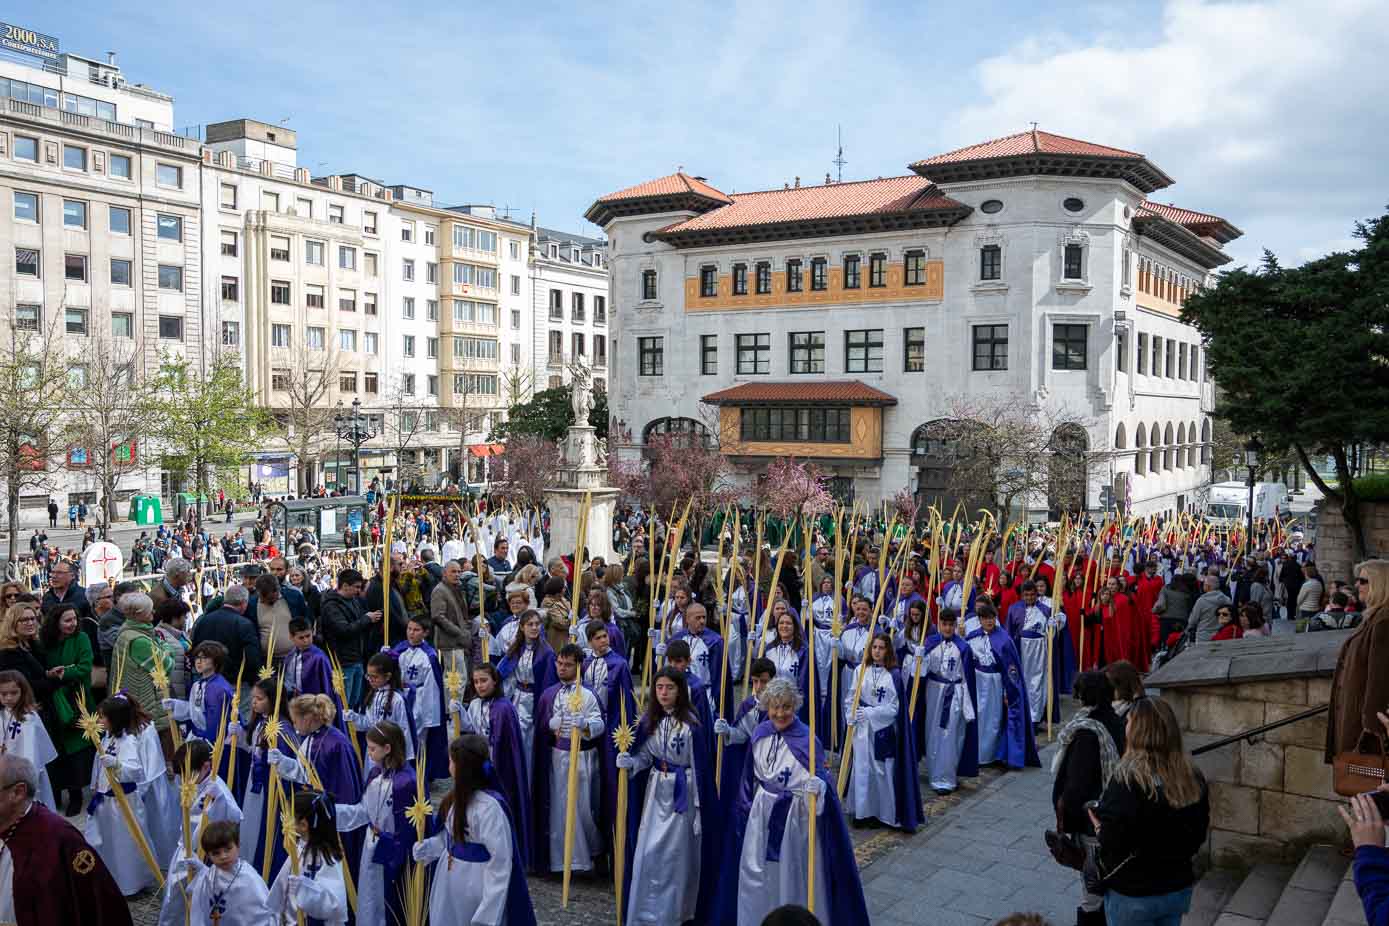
[581,396]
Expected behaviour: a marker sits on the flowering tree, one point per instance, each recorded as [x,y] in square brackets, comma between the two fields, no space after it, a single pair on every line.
[679,467]
[790,489]
[530,465]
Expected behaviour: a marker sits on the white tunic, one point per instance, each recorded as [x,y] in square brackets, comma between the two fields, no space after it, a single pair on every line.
[871,792]
[762,885]
[384,704]
[240,897]
[988,690]
[29,738]
[947,719]
[524,702]
[322,895]
[213,804]
[377,813]
[163,815]
[473,892]
[106,830]
[589,719]
[418,673]
[666,871]
[1033,645]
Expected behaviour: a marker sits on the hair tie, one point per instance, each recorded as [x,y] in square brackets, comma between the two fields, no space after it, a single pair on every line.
[487,768]
[121,695]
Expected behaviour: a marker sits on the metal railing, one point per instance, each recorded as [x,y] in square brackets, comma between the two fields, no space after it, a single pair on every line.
[1253,732]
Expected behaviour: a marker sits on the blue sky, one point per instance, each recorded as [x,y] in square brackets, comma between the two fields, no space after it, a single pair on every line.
[1268,112]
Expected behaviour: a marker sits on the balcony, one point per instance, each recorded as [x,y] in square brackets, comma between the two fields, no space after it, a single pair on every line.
[127,134]
[555,359]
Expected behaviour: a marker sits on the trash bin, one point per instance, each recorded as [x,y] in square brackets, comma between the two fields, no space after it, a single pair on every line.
[145,509]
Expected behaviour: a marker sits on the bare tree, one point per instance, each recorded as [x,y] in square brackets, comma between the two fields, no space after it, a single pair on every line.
[518,385]
[107,415]
[402,421]
[34,392]
[306,414]
[529,467]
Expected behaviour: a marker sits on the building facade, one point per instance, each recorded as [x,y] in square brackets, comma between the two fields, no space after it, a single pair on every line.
[849,323]
[570,291]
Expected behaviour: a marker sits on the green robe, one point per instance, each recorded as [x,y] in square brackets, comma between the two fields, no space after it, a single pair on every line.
[75,655]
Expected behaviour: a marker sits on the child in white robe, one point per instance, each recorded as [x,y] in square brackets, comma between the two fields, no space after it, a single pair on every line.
[386,702]
[229,892]
[22,732]
[871,789]
[106,829]
[212,803]
[318,891]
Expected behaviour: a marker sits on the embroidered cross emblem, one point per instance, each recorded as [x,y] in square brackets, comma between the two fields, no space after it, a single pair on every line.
[703,658]
[950,663]
[881,692]
[412,672]
[312,871]
[677,742]
[218,907]
[14,728]
[784,776]
[794,667]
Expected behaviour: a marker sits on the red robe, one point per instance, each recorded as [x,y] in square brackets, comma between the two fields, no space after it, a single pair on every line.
[58,878]
[990,579]
[1149,587]
[1119,624]
[1074,607]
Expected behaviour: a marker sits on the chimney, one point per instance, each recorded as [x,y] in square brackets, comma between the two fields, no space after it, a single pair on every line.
[111,58]
[786,186]
[827,178]
[798,183]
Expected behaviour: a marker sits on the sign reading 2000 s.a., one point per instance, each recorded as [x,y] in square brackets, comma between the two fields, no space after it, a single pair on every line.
[27,41]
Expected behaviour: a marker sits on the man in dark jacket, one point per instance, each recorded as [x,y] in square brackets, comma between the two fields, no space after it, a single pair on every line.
[229,626]
[344,623]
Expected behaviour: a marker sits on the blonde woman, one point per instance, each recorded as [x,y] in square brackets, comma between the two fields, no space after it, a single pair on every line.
[1151,820]
[1360,686]
[19,651]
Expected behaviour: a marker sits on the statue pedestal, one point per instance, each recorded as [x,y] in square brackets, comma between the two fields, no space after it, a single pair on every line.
[580,474]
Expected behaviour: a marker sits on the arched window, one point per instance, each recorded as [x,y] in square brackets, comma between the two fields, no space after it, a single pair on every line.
[1067,476]
[1168,439]
[1181,446]
[679,428]
[1120,438]
[1140,459]
[1206,441]
[1155,449]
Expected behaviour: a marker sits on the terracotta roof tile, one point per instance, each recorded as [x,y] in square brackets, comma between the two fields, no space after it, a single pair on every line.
[1202,223]
[1028,143]
[672,185]
[808,203]
[844,391]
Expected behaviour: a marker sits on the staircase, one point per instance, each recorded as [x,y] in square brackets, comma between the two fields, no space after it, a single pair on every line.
[1317,891]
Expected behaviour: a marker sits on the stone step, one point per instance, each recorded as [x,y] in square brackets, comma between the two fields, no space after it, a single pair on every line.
[1209,897]
[1253,901]
[1346,909]
[1308,894]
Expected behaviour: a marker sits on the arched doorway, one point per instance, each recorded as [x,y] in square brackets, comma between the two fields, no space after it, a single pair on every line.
[1067,480]
[942,453]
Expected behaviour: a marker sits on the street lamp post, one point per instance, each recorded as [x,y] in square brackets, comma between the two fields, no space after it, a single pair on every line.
[353,429]
[1253,448]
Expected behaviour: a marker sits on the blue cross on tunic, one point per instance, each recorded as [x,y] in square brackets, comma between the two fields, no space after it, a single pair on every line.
[14,728]
[794,667]
[881,692]
[784,776]
[677,743]
[312,871]
[413,671]
[217,907]
[703,658]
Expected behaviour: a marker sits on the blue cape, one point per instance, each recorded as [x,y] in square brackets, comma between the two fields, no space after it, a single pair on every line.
[509,769]
[969,755]
[1017,747]
[619,688]
[544,744]
[435,747]
[393,851]
[733,757]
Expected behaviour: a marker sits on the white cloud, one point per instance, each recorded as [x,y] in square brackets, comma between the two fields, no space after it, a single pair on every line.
[1269,113]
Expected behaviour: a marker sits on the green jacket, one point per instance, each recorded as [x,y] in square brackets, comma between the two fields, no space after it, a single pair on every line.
[75,656]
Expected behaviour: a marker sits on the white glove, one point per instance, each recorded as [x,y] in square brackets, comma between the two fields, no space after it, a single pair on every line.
[563,731]
[815,786]
[353,718]
[295,883]
[753,636]
[168,704]
[427,850]
[918,650]
[455,706]
[654,634]
[721,727]
[110,761]
[625,760]
[851,720]
[275,757]
[660,649]
[233,730]
[860,715]
[385,649]
[556,721]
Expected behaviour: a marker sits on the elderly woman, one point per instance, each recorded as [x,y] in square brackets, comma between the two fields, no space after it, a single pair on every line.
[134,656]
[297,577]
[1360,686]
[170,626]
[19,650]
[766,866]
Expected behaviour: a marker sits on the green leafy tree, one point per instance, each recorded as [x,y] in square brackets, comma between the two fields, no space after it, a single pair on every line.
[1301,356]
[549,414]
[205,422]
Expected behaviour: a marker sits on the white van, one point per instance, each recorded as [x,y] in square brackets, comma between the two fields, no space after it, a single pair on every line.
[1228,502]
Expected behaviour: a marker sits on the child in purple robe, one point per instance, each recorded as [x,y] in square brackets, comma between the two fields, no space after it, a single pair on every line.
[209,694]
[307,669]
[385,701]
[737,734]
[423,676]
[492,715]
[389,836]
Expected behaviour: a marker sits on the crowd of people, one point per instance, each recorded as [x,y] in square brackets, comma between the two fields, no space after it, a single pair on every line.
[322,690]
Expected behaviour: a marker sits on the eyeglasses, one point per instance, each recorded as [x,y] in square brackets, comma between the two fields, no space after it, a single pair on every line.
[1361,580]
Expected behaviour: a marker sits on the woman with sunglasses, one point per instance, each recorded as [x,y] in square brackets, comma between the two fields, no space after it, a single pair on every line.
[19,635]
[1360,686]
[1230,628]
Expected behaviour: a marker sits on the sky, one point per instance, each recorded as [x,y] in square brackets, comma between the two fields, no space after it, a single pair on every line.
[1270,113]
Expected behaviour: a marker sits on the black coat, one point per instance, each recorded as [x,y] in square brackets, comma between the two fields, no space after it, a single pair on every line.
[239,634]
[1080,778]
[1158,841]
[343,624]
[31,667]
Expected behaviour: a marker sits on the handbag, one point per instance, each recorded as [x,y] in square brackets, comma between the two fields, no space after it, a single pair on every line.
[1354,772]
[1067,849]
[1094,873]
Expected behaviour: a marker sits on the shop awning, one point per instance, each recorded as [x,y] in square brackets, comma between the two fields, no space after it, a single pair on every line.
[486,450]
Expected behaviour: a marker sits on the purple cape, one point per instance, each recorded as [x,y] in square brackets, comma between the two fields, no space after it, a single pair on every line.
[542,667]
[1017,747]
[617,686]
[435,747]
[716,668]
[509,765]
[393,850]
[544,744]
[316,677]
[733,757]
[337,768]
[843,888]
[519,910]
[906,788]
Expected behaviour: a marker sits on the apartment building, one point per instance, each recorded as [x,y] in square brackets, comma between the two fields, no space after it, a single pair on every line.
[570,308]
[839,322]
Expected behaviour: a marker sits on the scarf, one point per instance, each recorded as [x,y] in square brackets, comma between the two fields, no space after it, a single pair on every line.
[1109,756]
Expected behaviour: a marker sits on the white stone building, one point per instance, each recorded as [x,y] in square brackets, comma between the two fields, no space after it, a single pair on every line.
[571,319]
[841,323]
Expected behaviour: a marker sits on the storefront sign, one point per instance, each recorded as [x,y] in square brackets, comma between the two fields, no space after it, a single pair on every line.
[29,42]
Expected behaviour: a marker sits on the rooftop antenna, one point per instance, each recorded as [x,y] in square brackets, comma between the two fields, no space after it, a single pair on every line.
[839,161]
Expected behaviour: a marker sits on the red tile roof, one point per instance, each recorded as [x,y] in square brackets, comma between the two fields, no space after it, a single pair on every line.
[844,392]
[1028,143]
[1202,223]
[883,196]
[676,184]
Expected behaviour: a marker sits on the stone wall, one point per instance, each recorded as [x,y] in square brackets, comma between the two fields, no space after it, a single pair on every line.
[1335,551]
[1272,798]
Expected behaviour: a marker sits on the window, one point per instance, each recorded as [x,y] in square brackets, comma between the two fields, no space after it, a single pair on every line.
[740,279]
[708,282]
[516,353]
[990,347]
[764,278]
[754,354]
[120,221]
[369,303]
[123,326]
[26,207]
[75,269]
[990,262]
[74,214]
[793,276]
[807,351]
[1121,351]
[515,285]
[1157,355]
[407,307]
[279,247]
[231,289]
[279,292]
[347,258]
[75,321]
[851,271]
[28,317]
[120,272]
[600,310]
[370,342]
[407,270]
[170,228]
[279,336]
[407,231]
[914,268]
[335,215]
[877,271]
[515,247]
[74,158]
[369,222]
[226,194]
[1142,353]
[313,252]
[407,384]
[1171,368]
[347,382]
[1181,361]
[1068,346]
[1072,204]
[576,312]
[316,338]
[431,310]
[577,345]
[482,313]
[279,380]
[26,262]
[650,357]
[819,274]
[991,206]
[314,296]
[600,351]
[169,175]
[347,340]
[369,383]
[556,305]
[708,354]
[431,384]
[229,248]
[1073,269]
[814,424]
[914,350]
[171,327]
[347,300]
[431,348]
[408,345]
[270,201]
[476,348]
[474,384]
[863,351]
[431,272]
[556,346]
[25,148]
[77,376]
[1126,271]
[371,264]
[431,232]
[648,285]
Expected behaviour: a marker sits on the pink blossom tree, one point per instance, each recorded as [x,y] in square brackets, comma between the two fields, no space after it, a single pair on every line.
[530,466]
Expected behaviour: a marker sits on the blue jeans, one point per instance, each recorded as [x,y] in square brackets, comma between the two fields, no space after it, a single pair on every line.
[353,678]
[1158,910]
